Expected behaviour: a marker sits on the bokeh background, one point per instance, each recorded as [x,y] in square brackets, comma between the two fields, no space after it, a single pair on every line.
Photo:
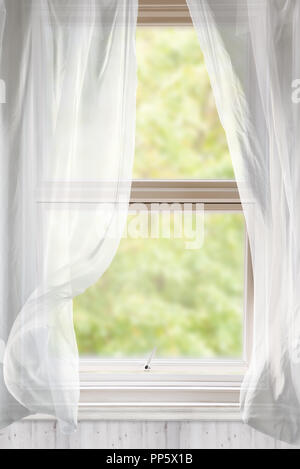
[156,293]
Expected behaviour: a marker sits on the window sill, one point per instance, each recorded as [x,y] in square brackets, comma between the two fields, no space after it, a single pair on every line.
[171,390]
[161,412]
[146,412]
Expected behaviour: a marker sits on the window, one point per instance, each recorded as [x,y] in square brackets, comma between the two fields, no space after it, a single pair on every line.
[186,291]
[179,134]
[168,288]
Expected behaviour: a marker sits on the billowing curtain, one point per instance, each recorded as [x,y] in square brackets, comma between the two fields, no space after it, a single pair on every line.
[67,120]
[251,49]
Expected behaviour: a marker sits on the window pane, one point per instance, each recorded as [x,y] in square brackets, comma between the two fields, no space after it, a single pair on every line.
[178,133]
[159,293]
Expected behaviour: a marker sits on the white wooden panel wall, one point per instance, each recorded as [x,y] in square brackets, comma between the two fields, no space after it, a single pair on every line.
[127,435]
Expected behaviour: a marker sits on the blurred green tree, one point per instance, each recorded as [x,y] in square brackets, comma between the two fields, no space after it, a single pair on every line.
[156,293]
[178,133]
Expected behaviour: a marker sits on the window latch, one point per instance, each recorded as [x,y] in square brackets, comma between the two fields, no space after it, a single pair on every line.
[147,366]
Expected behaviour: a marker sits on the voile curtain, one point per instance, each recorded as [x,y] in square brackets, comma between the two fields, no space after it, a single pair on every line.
[67,120]
[251,49]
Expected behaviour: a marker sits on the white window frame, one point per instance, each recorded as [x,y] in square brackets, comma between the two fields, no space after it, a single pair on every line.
[173,388]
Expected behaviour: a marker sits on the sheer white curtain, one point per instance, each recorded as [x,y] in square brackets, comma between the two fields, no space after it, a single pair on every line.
[67,145]
[251,49]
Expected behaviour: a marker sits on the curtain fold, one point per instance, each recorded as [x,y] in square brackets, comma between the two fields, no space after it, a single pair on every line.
[67,145]
[251,52]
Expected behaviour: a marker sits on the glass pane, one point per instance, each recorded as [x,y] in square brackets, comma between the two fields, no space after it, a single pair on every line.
[159,292]
[178,131]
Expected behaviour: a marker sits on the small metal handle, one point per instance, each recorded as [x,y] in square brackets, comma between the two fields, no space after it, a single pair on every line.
[147,366]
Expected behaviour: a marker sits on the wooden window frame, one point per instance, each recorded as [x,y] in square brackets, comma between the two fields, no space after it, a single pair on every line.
[163,13]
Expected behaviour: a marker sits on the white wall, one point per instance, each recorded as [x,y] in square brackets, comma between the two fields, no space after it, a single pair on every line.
[118,435]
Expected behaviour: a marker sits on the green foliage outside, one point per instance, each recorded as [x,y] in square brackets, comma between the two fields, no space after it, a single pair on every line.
[178,134]
[187,303]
